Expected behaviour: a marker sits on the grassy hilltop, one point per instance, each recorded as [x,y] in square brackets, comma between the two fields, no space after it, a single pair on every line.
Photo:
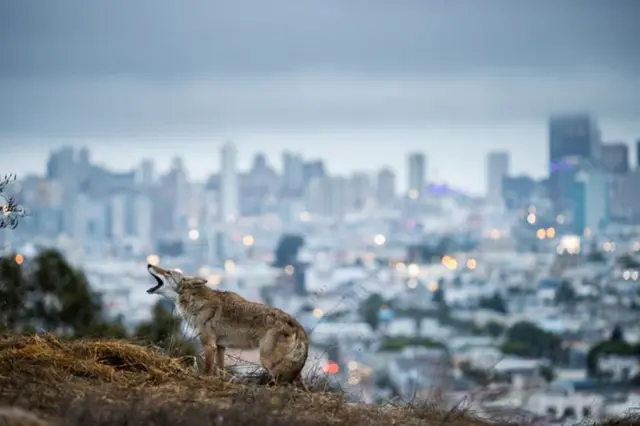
[117,382]
[112,382]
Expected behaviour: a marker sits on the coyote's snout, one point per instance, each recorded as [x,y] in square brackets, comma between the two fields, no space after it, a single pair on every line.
[224,319]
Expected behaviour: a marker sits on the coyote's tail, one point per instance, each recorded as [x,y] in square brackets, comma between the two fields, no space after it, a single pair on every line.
[291,365]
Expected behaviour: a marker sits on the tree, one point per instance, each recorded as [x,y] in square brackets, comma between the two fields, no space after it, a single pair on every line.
[495,303]
[616,345]
[547,373]
[66,300]
[626,261]
[286,252]
[596,257]
[608,347]
[617,335]
[11,212]
[439,297]
[369,309]
[527,340]
[52,295]
[494,329]
[13,294]
[565,293]
[400,342]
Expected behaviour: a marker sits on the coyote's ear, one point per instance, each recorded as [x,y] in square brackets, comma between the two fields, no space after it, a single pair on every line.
[197,281]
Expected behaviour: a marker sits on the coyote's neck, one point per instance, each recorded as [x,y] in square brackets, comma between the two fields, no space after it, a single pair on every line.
[174,297]
[191,304]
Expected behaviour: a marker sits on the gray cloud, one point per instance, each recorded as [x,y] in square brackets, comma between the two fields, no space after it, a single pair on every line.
[124,106]
[170,38]
[74,66]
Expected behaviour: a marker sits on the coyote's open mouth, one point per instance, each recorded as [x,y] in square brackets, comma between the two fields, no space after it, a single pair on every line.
[158,280]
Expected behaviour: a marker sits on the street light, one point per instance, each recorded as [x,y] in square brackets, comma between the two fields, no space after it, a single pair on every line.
[247,240]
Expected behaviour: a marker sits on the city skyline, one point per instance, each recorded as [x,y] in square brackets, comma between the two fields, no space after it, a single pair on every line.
[199,167]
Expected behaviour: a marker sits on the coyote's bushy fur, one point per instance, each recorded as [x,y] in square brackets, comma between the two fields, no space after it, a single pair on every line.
[224,319]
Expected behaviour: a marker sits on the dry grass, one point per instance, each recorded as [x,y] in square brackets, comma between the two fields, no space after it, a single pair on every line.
[112,382]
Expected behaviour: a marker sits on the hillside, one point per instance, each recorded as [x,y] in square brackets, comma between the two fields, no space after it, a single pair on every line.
[112,382]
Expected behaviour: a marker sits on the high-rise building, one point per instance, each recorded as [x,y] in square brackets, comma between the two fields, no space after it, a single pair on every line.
[178,189]
[61,164]
[62,167]
[626,198]
[386,187]
[497,169]
[590,201]
[318,196]
[417,175]
[146,173]
[615,158]
[518,191]
[259,162]
[327,196]
[638,154]
[312,169]
[117,223]
[359,190]
[573,140]
[229,189]
[142,212]
[90,221]
[292,172]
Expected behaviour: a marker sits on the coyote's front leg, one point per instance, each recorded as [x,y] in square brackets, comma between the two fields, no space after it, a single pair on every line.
[210,354]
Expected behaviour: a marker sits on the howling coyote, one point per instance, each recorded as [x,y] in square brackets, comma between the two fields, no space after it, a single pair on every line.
[224,319]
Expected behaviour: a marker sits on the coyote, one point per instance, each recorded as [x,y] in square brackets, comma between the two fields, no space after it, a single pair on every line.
[224,319]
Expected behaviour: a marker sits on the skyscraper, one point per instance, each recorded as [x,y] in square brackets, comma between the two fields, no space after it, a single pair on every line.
[292,172]
[328,196]
[228,183]
[312,169]
[386,187]
[615,158]
[573,140]
[417,175]
[146,172]
[62,167]
[497,169]
[359,191]
[590,200]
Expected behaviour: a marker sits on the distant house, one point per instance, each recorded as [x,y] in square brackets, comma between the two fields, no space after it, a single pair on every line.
[561,401]
[547,288]
[418,372]
[619,368]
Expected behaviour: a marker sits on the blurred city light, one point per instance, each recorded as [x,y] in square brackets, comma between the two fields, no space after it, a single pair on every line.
[379,239]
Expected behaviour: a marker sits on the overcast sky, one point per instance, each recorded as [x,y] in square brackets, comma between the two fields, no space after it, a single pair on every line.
[358,82]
